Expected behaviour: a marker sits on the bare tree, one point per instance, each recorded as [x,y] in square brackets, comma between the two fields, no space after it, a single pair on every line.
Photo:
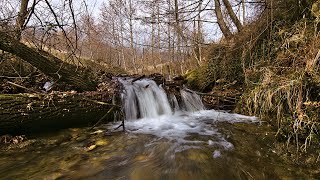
[45,62]
[131,17]
[222,24]
[232,15]
[243,11]
[159,37]
[22,16]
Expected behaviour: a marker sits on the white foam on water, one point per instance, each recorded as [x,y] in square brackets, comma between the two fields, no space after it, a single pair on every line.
[148,111]
[181,125]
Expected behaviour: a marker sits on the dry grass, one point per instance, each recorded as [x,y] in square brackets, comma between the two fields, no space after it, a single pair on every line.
[288,91]
[277,60]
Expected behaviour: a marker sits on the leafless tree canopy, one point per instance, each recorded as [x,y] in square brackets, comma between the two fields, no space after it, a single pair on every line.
[138,36]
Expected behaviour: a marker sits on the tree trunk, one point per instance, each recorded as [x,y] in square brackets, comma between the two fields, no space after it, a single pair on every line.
[243,11]
[195,50]
[222,24]
[121,41]
[152,42]
[51,66]
[133,51]
[232,15]
[159,38]
[178,28]
[169,36]
[21,18]
[199,35]
[25,113]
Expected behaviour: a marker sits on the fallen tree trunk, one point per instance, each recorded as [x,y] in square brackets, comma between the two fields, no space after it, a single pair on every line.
[25,113]
[46,63]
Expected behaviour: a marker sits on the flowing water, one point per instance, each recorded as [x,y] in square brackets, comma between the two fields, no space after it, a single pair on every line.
[165,138]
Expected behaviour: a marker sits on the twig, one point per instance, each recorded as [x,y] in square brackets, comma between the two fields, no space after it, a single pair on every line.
[207,94]
[122,124]
[8,77]
[14,70]
[228,100]
[215,95]
[17,85]
[104,116]
[138,78]
[65,35]
[317,58]
[102,103]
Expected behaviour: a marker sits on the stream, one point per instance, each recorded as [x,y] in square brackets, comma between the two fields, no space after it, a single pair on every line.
[165,138]
[92,154]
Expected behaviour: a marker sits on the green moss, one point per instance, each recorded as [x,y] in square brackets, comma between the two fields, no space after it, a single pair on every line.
[200,79]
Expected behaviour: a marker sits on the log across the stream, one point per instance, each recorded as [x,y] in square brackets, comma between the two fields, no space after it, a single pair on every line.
[25,113]
[42,112]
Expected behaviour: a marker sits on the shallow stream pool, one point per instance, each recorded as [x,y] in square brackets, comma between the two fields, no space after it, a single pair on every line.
[184,147]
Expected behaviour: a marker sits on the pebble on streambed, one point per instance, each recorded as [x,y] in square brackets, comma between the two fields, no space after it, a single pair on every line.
[90,147]
[93,146]
[216,154]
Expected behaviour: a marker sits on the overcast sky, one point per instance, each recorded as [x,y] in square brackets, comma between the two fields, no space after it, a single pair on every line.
[94,6]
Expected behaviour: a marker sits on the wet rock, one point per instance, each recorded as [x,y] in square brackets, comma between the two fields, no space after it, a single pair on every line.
[101,142]
[90,147]
[158,78]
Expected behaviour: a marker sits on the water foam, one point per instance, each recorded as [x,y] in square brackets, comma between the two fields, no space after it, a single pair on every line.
[181,125]
[148,111]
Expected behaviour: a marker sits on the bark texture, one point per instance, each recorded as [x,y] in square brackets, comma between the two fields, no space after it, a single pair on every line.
[233,15]
[21,18]
[222,24]
[25,113]
[48,64]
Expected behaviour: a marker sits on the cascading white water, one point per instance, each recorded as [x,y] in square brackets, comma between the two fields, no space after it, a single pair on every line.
[145,99]
[149,111]
[175,103]
[191,101]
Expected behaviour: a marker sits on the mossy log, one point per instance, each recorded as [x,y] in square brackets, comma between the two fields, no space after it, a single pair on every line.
[29,113]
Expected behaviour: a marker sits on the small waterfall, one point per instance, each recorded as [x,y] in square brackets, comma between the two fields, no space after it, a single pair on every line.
[174,103]
[149,110]
[145,99]
[191,101]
